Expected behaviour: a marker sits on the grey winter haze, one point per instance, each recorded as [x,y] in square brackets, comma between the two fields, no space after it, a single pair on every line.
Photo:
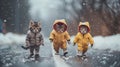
[102,15]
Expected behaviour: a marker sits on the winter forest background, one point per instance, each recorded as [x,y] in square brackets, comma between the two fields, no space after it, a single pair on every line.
[103,15]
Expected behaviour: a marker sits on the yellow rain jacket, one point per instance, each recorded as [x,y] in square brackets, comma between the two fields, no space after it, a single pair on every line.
[59,39]
[83,40]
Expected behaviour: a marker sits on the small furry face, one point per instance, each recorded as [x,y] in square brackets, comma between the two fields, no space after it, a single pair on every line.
[83,29]
[34,27]
[60,27]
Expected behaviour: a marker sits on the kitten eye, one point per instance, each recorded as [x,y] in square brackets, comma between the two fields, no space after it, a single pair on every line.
[35,25]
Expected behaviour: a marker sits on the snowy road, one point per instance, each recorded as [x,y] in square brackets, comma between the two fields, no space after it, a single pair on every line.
[11,55]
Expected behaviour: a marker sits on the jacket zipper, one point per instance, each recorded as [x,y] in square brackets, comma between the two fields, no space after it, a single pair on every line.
[35,39]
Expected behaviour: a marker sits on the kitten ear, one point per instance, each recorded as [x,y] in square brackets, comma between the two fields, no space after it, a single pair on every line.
[31,23]
[39,24]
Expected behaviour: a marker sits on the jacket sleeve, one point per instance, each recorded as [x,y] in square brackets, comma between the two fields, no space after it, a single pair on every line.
[91,40]
[52,35]
[76,38]
[67,36]
[28,39]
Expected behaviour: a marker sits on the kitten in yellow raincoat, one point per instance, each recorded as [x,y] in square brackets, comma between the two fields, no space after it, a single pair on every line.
[59,36]
[83,38]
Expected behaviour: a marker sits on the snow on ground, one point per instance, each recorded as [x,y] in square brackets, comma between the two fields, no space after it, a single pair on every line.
[11,38]
[11,54]
[108,42]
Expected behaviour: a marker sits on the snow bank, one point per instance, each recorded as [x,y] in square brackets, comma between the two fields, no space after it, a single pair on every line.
[11,38]
[108,42]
